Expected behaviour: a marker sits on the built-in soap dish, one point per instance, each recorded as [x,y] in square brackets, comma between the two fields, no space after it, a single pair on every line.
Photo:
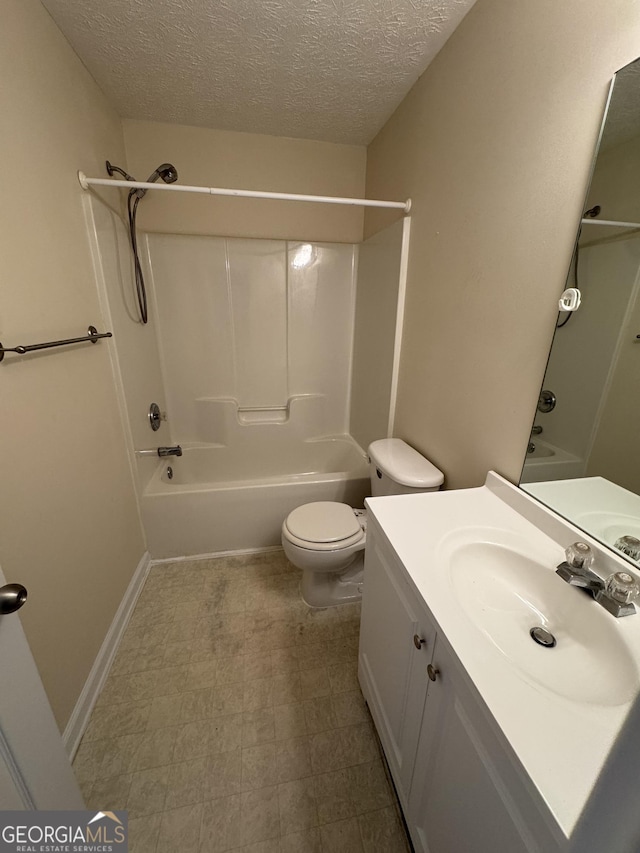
[263,415]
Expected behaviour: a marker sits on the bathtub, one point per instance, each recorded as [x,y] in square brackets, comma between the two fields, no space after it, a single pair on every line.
[548,462]
[231,498]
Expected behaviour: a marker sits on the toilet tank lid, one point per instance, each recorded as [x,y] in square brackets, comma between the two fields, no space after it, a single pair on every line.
[395,458]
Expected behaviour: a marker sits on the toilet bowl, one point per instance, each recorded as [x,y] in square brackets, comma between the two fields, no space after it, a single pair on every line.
[326,539]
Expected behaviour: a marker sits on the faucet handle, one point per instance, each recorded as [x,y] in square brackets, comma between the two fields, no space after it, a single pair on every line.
[622,587]
[629,545]
[579,555]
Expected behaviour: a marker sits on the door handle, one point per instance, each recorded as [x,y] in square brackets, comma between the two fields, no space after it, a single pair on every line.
[12,597]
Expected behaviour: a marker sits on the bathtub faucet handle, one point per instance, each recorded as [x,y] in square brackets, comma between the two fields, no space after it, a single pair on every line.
[170,451]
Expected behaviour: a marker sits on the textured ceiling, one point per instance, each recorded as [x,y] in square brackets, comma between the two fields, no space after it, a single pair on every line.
[330,70]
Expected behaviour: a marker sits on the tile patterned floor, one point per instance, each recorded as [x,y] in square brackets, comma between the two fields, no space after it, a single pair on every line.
[232,719]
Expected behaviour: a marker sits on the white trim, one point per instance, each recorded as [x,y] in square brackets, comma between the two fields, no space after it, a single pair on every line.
[7,759]
[84,706]
[85,182]
[214,554]
[611,222]
[355,264]
[397,346]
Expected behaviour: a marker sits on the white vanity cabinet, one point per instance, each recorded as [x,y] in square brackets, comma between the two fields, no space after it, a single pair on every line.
[396,645]
[461,788]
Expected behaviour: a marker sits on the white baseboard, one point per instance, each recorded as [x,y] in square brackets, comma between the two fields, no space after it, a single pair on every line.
[79,718]
[214,554]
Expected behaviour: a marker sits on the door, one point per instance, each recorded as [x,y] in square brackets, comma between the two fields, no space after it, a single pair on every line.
[35,772]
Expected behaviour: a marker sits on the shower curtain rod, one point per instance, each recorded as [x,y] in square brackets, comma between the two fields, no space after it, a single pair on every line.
[86,182]
[611,222]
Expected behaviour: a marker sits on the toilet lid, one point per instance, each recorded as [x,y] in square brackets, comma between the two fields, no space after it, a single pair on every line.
[323,522]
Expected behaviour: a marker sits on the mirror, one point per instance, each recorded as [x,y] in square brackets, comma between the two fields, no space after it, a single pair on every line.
[583,459]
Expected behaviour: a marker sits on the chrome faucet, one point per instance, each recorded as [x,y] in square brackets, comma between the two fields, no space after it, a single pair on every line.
[616,594]
[170,451]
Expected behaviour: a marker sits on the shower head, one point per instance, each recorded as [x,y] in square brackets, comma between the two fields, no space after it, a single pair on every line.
[169,175]
[166,171]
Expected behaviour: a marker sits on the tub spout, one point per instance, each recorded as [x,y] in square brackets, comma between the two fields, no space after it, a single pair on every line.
[170,451]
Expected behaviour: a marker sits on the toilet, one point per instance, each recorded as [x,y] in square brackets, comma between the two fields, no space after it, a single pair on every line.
[326,539]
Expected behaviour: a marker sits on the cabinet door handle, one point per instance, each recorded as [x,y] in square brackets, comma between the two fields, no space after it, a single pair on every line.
[418,642]
[433,672]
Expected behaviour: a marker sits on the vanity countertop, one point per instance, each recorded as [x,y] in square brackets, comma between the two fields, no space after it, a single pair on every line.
[560,708]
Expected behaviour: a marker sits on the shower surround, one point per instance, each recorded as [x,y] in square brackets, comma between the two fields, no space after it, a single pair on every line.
[249,351]
[258,322]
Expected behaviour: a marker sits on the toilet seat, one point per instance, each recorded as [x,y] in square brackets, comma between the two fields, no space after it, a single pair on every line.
[323,526]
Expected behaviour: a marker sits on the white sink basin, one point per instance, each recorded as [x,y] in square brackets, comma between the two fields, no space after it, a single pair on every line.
[505,594]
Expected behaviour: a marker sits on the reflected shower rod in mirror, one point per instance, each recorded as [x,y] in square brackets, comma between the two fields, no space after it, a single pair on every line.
[611,222]
[86,182]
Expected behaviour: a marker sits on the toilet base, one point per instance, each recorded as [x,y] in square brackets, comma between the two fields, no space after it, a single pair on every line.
[324,589]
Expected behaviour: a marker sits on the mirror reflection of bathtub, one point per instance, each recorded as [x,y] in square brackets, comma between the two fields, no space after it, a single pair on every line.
[545,461]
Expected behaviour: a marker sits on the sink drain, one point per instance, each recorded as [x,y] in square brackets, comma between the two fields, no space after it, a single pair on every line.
[543,637]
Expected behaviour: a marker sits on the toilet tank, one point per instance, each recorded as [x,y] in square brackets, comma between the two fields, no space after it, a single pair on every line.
[395,468]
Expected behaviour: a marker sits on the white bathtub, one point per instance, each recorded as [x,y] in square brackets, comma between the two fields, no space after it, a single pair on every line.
[226,498]
[548,462]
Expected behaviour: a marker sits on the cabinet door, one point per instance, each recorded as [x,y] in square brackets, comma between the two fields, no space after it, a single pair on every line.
[460,799]
[392,669]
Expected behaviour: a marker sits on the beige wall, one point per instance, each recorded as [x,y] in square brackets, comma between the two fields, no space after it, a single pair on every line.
[584,348]
[494,145]
[69,527]
[614,453]
[247,161]
[374,334]
[615,178]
